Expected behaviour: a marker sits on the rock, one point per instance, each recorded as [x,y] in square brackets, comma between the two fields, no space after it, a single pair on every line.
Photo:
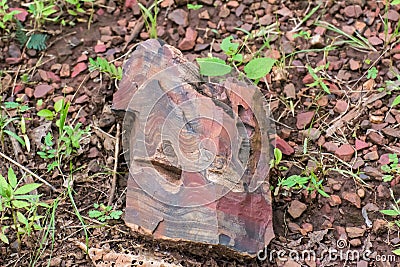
[382,192]
[341,106]
[393,15]
[21,16]
[93,153]
[100,48]
[365,125]
[233,4]
[296,208]
[303,119]
[374,40]
[78,69]
[285,12]
[354,64]
[353,11]
[283,146]
[105,30]
[291,263]
[344,75]
[373,155]
[323,101]
[82,58]
[391,132]
[224,12]
[359,162]
[65,71]
[308,79]
[189,41]
[353,232]
[334,200]
[312,134]
[361,192]
[14,51]
[241,8]
[294,227]
[29,92]
[68,90]
[360,145]
[379,226]
[371,171]
[266,20]
[285,133]
[204,15]
[82,99]
[384,159]
[376,138]
[290,91]
[330,146]
[362,263]
[345,152]
[353,198]
[41,90]
[355,242]
[180,17]
[119,30]
[106,120]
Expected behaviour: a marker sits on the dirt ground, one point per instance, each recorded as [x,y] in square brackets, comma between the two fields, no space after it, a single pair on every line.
[350,131]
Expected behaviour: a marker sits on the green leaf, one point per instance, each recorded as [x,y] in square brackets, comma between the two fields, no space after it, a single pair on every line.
[395,2]
[277,155]
[387,178]
[396,101]
[322,193]
[4,186]
[95,213]
[22,218]
[396,251]
[4,238]
[213,66]
[11,105]
[12,178]
[27,188]
[48,114]
[116,214]
[372,73]
[228,47]
[194,7]
[238,58]
[15,136]
[20,204]
[259,67]
[390,212]
[59,105]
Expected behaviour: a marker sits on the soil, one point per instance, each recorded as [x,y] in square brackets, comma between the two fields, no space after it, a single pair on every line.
[352,178]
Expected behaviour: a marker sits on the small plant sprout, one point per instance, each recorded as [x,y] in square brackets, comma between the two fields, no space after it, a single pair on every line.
[395,213]
[194,7]
[106,67]
[318,81]
[150,18]
[392,169]
[104,213]
[372,73]
[255,69]
[5,15]
[22,205]
[310,182]
[274,163]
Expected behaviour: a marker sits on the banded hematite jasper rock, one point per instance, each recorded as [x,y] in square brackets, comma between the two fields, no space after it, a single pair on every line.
[198,152]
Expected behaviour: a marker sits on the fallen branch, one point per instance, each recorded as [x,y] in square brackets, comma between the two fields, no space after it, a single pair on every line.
[28,171]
